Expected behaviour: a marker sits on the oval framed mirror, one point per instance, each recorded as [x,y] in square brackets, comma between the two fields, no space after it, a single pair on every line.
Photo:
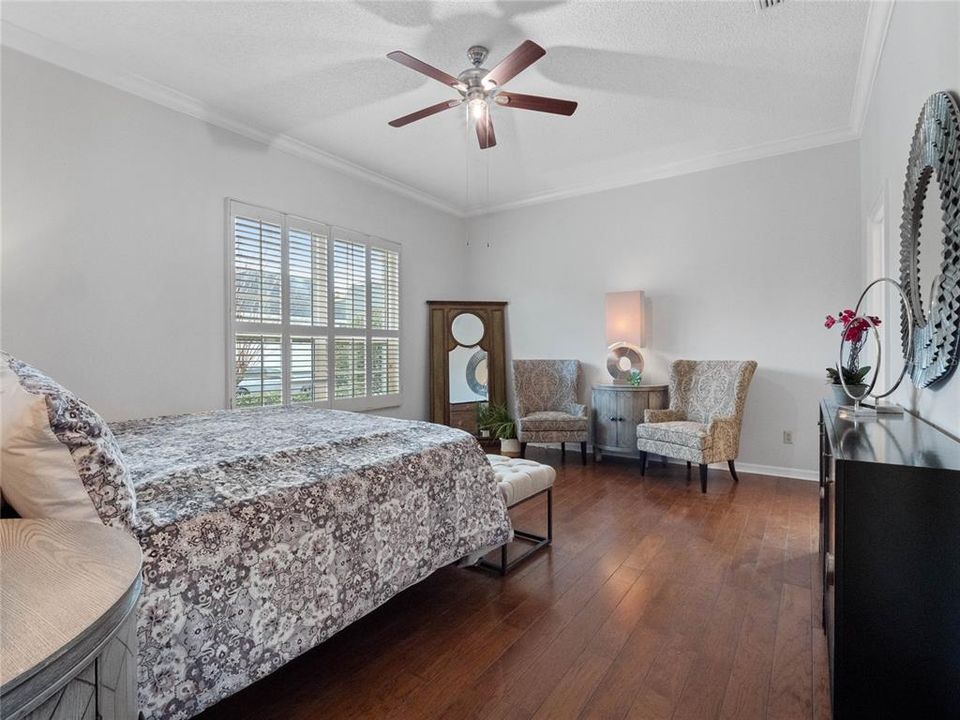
[932,286]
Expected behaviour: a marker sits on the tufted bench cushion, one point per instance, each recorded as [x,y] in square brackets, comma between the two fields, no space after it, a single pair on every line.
[520,479]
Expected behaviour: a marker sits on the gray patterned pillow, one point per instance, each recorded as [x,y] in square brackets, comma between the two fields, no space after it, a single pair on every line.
[97,458]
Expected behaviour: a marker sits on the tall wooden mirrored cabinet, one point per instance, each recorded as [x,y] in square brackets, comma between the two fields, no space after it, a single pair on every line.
[467,360]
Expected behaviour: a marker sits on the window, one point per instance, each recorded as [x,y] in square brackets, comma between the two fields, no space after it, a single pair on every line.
[314,313]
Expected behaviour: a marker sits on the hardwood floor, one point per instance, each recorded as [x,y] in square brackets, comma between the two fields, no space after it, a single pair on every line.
[653,602]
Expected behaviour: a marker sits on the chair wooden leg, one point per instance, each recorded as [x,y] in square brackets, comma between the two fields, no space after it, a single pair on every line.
[563,453]
[643,463]
[583,453]
[703,478]
[733,471]
[523,449]
[688,471]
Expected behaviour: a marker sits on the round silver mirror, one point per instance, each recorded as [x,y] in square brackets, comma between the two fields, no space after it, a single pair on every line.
[467,329]
[931,201]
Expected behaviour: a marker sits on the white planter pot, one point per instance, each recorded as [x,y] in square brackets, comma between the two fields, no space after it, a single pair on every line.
[510,448]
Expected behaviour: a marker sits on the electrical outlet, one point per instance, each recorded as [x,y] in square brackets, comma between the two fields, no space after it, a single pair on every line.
[788,437]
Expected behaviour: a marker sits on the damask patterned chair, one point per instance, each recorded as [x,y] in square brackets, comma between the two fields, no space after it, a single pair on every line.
[703,422]
[547,409]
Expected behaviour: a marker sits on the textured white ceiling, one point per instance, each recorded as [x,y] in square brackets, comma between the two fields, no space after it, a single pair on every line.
[659,84]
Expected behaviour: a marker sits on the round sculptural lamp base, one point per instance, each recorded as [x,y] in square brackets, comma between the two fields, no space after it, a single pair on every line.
[623,360]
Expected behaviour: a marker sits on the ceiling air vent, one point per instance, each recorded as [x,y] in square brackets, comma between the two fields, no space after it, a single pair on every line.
[767,4]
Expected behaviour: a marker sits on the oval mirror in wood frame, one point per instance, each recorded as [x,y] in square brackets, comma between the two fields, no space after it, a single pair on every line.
[481,326]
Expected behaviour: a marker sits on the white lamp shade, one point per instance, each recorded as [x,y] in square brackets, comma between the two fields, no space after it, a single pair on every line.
[625,318]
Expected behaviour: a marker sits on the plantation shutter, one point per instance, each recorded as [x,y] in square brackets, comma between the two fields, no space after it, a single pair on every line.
[309,292]
[256,371]
[351,367]
[349,283]
[309,371]
[259,370]
[350,316]
[314,313]
[384,366]
[384,320]
[257,275]
[384,289]
[308,277]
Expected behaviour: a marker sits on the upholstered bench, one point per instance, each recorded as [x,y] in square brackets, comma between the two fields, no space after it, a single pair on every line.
[521,480]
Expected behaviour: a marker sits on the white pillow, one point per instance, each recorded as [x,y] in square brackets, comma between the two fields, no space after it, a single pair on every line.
[58,458]
[38,476]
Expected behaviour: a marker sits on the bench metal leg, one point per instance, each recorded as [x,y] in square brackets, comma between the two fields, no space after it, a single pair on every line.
[536,541]
[550,514]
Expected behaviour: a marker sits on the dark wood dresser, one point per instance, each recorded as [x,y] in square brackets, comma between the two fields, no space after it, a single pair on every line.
[890,558]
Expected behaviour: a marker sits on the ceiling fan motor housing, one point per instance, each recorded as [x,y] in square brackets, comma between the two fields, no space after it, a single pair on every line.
[477,54]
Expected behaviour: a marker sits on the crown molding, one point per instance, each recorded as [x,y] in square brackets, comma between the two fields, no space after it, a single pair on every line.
[874,37]
[89,66]
[878,21]
[683,167]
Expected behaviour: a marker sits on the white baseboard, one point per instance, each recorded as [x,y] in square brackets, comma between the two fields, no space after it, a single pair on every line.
[774,470]
[793,473]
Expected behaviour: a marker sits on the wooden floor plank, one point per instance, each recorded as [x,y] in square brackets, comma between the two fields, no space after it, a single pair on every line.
[791,682]
[745,696]
[655,601]
[706,684]
[576,686]
[683,621]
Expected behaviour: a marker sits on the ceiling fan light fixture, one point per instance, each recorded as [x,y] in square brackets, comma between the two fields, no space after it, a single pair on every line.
[477,107]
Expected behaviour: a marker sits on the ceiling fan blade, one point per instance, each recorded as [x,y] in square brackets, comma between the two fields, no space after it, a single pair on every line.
[485,133]
[426,112]
[421,67]
[536,102]
[515,63]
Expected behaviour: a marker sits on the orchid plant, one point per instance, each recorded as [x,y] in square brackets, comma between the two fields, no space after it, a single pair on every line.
[855,331]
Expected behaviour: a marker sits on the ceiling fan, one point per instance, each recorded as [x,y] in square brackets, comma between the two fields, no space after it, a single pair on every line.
[478,87]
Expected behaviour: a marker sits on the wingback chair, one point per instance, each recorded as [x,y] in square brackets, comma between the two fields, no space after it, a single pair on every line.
[703,422]
[547,409]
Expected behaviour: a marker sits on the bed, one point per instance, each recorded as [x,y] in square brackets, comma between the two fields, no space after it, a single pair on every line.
[266,531]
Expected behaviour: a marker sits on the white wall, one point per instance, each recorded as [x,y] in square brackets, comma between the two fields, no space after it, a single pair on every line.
[921,56]
[113,244]
[740,262]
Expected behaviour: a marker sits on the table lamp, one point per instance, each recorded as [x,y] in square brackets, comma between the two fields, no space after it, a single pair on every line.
[625,333]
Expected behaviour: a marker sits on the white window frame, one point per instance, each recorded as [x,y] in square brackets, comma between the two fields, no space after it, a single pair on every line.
[286,330]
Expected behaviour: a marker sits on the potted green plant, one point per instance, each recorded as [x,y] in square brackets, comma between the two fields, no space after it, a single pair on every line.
[496,420]
[855,333]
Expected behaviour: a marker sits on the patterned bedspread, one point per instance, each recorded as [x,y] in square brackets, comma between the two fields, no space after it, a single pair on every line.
[266,531]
